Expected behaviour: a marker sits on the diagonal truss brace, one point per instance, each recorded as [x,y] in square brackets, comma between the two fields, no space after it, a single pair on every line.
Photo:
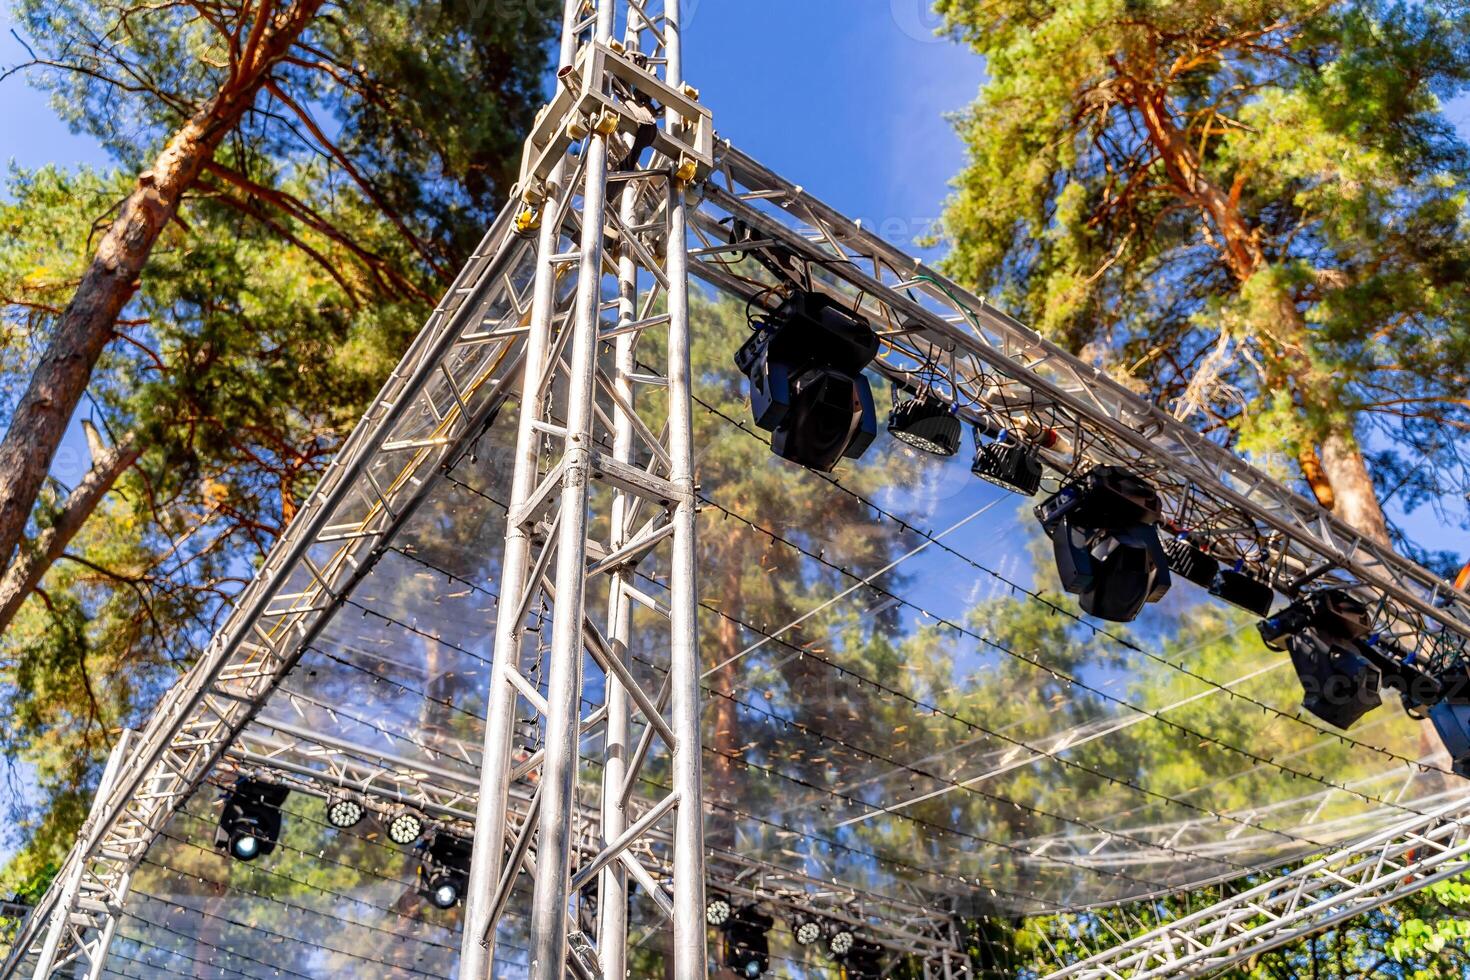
[1356,879]
[316,763]
[417,426]
[463,366]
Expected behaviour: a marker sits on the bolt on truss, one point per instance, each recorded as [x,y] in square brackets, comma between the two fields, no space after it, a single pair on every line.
[624,183]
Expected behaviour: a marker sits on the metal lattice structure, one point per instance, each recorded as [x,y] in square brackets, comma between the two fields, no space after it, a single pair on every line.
[1365,875]
[574,317]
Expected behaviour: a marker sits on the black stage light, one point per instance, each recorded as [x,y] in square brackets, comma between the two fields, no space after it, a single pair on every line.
[926,422]
[806,929]
[344,810]
[1189,561]
[747,950]
[840,941]
[1108,552]
[250,823]
[717,911]
[1245,591]
[864,961]
[805,366]
[1452,722]
[405,826]
[1008,462]
[1324,633]
[444,872]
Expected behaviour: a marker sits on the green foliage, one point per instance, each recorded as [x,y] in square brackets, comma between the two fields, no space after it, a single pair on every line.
[269,314]
[1253,211]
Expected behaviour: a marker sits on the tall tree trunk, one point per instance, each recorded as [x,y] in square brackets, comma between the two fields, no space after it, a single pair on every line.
[108,463]
[722,779]
[1356,500]
[1335,470]
[86,325]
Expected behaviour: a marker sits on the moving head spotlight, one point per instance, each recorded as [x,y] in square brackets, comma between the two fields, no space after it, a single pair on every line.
[250,822]
[1102,527]
[805,366]
[864,961]
[444,872]
[747,949]
[1325,634]
[1452,721]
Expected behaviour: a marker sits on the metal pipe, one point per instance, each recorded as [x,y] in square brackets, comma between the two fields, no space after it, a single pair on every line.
[621,844]
[612,886]
[690,953]
[477,945]
[564,675]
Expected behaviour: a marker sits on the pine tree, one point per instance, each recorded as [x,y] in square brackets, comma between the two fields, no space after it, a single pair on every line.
[1254,212]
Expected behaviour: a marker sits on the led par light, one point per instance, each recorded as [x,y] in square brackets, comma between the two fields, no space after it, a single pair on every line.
[1107,547]
[1190,562]
[806,929]
[1007,462]
[1324,633]
[405,826]
[1245,591]
[805,367]
[717,912]
[840,942]
[928,423]
[344,810]
[747,949]
[444,872]
[250,822]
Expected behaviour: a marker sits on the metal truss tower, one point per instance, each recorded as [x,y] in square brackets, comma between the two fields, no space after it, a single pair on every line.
[575,308]
[556,522]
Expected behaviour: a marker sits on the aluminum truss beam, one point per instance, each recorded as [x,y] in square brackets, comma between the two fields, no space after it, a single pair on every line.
[451,381]
[508,319]
[1002,370]
[581,505]
[1349,882]
[316,763]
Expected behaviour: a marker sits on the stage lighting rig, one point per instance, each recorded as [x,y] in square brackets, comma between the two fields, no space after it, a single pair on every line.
[1008,462]
[1108,553]
[805,366]
[1325,632]
[747,948]
[250,822]
[444,871]
[926,422]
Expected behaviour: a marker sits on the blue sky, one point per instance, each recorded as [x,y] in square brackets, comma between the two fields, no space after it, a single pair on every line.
[846,97]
